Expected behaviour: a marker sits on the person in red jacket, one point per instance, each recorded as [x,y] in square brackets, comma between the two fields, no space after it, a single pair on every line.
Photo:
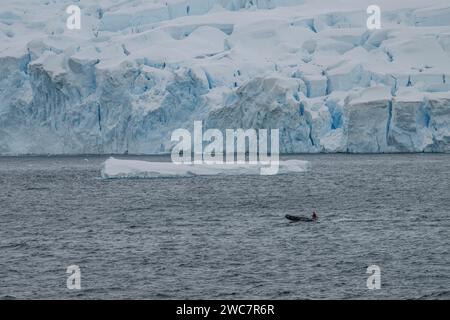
[314,215]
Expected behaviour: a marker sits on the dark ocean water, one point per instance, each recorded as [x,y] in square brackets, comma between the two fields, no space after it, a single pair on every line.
[226,237]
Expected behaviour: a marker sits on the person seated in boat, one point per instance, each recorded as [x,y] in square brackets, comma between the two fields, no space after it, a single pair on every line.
[314,215]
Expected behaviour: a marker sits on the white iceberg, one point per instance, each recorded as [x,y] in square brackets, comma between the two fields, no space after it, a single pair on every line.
[117,168]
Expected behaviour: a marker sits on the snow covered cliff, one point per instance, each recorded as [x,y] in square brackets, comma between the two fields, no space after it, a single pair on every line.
[138,69]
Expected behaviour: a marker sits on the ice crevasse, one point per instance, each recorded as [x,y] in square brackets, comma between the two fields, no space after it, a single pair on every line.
[137,70]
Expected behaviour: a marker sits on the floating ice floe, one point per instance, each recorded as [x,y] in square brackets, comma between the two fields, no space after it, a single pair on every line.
[116,168]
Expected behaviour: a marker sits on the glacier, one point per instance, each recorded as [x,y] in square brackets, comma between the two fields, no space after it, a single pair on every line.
[137,70]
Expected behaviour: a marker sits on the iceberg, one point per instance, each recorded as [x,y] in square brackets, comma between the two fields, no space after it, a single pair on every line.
[116,168]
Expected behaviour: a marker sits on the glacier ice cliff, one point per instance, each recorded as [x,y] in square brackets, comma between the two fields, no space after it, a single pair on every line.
[137,70]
